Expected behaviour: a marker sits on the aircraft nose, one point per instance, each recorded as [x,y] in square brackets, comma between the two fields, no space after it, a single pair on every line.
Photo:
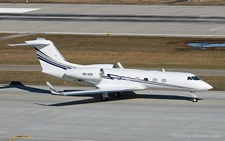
[210,87]
[207,86]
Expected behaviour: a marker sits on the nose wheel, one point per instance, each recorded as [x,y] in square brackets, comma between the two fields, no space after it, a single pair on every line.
[195,99]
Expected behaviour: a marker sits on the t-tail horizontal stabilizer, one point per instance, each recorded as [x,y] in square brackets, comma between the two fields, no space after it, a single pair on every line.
[28,44]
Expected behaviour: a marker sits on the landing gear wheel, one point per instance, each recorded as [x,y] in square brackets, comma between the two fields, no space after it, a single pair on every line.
[195,100]
[104,98]
[117,94]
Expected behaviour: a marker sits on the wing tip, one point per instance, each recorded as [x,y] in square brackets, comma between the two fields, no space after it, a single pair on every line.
[11,45]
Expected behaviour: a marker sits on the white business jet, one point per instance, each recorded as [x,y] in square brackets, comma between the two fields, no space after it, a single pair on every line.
[107,78]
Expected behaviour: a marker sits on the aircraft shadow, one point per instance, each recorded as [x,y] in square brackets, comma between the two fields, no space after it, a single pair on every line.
[19,85]
[95,97]
[124,96]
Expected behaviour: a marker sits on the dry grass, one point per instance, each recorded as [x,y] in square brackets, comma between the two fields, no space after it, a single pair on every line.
[176,2]
[135,52]
[38,78]
[35,78]
[4,34]
[218,82]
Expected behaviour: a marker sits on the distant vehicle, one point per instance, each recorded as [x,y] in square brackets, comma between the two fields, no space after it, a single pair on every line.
[206,45]
[106,78]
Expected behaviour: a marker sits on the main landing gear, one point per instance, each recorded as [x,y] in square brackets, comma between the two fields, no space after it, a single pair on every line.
[195,99]
[105,96]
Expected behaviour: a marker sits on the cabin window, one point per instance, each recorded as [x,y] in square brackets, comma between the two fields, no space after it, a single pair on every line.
[128,78]
[163,80]
[145,79]
[136,78]
[154,79]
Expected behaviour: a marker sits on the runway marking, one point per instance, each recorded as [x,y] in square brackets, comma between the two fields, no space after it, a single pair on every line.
[215,28]
[17,10]
[136,34]
[1,132]
[57,139]
[203,15]
[61,139]
[120,34]
[19,136]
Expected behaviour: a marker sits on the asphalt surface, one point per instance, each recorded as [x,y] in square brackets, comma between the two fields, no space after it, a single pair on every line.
[111,18]
[137,20]
[32,114]
[13,36]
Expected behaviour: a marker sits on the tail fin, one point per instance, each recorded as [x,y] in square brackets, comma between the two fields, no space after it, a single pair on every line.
[49,56]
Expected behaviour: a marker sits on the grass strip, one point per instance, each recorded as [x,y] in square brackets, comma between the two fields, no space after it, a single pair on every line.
[218,82]
[4,34]
[132,52]
[30,78]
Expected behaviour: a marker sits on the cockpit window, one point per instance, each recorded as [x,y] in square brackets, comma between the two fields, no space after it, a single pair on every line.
[193,78]
[189,78]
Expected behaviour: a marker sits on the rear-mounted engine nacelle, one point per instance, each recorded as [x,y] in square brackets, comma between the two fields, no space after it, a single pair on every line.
[85,73]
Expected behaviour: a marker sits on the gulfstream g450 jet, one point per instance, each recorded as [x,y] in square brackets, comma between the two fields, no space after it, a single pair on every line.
[106,78]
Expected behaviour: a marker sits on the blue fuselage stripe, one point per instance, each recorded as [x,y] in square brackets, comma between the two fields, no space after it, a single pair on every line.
[113,76]
[52,62]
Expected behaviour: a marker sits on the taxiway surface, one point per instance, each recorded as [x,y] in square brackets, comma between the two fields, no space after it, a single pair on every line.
[32,112]
[142,20]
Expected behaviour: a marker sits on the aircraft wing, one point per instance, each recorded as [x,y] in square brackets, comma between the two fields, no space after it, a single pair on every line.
[96,91]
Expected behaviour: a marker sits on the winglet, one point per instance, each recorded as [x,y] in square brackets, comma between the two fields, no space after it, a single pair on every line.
[52,89]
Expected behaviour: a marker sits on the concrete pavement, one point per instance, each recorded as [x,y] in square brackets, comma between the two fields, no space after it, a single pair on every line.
[161,116]
[179,21]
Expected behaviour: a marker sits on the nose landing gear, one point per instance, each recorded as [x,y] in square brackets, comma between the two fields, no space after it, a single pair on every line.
[195,99]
